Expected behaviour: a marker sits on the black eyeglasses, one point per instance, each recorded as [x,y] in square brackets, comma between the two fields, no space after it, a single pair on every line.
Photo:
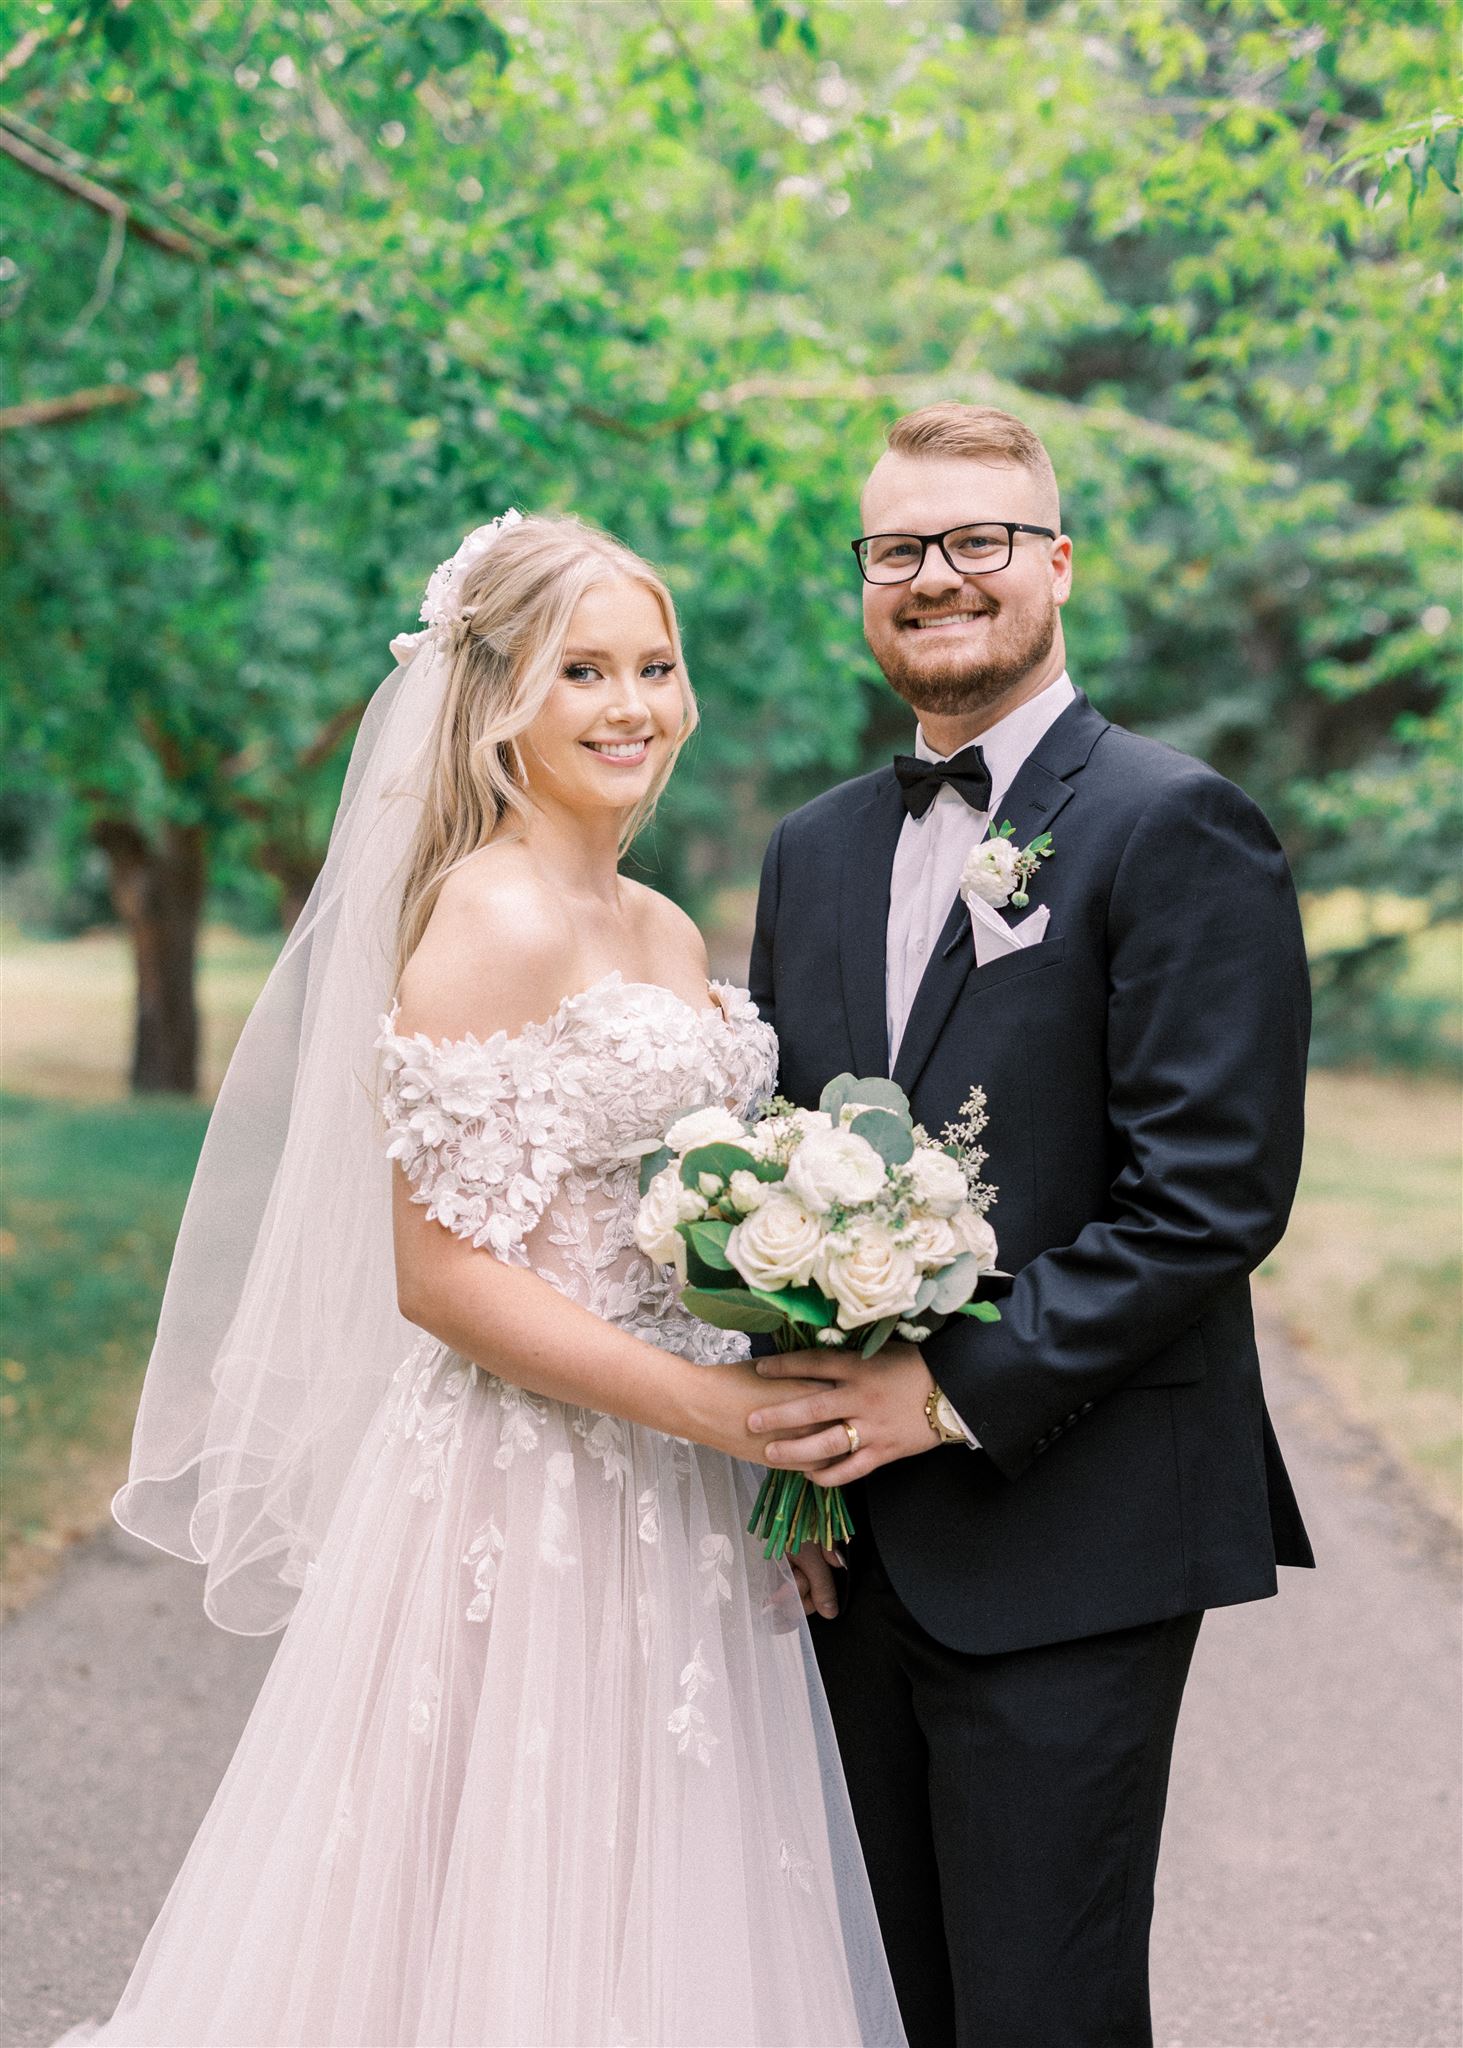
[977,550]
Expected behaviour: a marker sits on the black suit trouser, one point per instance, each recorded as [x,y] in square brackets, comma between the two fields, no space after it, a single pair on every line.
[1009,1808]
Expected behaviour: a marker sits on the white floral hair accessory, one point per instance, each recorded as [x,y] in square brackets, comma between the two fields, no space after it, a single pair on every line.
[442,606]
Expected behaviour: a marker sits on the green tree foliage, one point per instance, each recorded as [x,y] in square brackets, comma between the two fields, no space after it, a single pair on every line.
[296,295]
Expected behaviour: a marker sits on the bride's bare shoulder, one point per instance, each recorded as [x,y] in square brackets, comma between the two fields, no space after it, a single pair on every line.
[496,949]
[669,934]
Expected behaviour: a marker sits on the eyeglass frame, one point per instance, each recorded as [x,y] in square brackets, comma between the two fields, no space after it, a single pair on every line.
[929,540]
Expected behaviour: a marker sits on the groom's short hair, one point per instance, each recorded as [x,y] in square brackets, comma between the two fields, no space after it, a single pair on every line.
[983,432]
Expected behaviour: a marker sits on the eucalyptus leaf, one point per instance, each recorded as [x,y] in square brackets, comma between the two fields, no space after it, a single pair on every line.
[732,1308]
[954,1284]
[652,1164]
[873,1092]
[888,1134]
[878,1336]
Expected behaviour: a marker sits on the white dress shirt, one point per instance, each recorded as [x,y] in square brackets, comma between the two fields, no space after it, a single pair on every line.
[932,850]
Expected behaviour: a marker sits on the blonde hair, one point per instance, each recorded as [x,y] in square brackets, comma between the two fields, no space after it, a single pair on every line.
[505,658]
[983,432]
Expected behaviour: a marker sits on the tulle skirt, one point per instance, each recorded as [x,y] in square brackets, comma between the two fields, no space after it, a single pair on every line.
[542,1759]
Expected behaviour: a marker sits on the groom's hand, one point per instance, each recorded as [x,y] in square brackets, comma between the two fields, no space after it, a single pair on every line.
[883,1397]
[812,1568]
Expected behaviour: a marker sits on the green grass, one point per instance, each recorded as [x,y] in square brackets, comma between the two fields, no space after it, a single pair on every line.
[91,1199]
[1368,1277]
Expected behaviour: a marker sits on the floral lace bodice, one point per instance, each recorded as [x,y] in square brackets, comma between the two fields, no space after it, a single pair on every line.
[529,1145]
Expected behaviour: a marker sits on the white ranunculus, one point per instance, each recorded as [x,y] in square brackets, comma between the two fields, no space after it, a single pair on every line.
[990,872]
[933,1242]
[776,1245]
[834,1166]
[747,1192]
[975,1235]
[939,1181]
[713,1126]
[867,1273]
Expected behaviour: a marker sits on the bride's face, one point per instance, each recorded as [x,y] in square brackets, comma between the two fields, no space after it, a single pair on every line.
[616,706]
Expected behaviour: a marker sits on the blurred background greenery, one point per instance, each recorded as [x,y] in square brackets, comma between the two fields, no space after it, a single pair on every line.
[290,297]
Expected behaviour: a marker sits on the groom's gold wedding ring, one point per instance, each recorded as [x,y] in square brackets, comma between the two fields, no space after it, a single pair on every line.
[853,1437]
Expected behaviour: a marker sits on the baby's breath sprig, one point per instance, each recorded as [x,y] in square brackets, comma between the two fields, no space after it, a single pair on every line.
[964,1129]
[960,1136]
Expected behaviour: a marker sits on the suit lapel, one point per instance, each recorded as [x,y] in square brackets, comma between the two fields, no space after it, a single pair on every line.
[863,920]
[1040,790]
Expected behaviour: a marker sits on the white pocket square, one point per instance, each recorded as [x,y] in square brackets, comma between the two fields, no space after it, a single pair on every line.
[994,938]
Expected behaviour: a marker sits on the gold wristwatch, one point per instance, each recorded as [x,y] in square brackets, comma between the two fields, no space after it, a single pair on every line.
[943,1420]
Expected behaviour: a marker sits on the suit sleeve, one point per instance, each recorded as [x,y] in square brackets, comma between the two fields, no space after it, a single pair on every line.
[760,978]
[1208,1018]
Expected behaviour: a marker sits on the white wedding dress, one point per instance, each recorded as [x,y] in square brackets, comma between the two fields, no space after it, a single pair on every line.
[543,1757]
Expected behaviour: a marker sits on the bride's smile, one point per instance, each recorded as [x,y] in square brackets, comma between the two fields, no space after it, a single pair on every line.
[616,708]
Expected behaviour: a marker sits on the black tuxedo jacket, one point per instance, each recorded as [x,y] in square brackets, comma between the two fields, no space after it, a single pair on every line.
[1144,1068]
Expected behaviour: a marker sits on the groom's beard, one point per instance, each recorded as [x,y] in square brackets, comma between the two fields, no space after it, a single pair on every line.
[961,682]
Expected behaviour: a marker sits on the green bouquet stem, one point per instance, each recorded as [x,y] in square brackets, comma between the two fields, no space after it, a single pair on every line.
[791,1510]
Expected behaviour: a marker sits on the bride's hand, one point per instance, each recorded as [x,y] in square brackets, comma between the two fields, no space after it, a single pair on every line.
[718,1399]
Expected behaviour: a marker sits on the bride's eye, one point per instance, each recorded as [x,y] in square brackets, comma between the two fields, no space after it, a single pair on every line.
[580,671]
[658,669]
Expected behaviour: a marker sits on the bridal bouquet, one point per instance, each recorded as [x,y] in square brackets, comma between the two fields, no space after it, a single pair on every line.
[843,1225]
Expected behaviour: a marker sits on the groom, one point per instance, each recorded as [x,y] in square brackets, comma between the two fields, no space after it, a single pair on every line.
[1046,1505]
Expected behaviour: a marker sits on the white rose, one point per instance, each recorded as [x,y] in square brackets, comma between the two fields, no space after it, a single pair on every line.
[990,872]
[975,1235]
[939,1181]
[747,1192]
[932,1240]
[776,1245]
[867,1273]
[665,1203]
[705,1127]
[834,1166]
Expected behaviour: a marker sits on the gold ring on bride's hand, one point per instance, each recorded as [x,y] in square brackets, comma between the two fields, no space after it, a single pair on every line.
[853,1437]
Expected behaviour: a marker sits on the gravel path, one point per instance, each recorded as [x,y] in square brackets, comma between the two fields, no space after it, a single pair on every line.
[1309,1889]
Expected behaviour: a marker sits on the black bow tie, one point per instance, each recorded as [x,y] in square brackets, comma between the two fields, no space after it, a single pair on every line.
[920,781]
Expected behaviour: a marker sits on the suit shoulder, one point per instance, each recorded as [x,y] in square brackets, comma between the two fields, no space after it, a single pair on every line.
[1140,772]
[1153,788]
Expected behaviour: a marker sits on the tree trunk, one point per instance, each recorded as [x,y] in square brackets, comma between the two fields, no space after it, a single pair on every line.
[157,887]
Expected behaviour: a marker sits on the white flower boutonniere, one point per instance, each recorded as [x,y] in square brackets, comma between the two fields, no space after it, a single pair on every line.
[997,871]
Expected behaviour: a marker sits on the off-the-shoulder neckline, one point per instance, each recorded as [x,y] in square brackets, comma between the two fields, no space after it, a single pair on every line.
[542,1026]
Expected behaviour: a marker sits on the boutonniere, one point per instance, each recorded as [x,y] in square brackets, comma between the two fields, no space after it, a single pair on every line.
[998,870]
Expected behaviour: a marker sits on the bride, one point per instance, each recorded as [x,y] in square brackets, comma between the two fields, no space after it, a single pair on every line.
[542,1757]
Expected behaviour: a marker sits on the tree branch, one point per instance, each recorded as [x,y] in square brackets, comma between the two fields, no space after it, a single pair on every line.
[310,756]
[92,194]
[51,412]
[913,388]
